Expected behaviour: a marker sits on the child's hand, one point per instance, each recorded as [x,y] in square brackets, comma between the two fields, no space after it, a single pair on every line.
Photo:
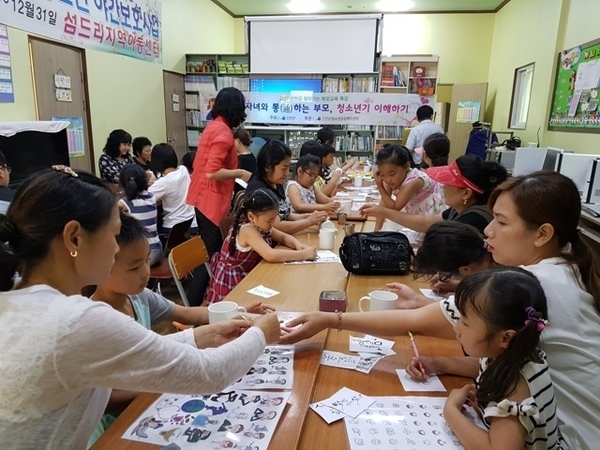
[442,287]
[317,217]
[309,253]
[378,180]
[220,333]
[407,297]
[332,207]
[419,367]
[259,308]
[269,324]
[458,397]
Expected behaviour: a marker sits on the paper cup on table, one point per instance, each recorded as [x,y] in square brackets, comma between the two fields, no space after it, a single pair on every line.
[345,206]
[219,312]
[379,301]
[327,238]
[358,180]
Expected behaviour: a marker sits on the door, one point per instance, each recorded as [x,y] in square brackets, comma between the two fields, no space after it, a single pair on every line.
[458,132]
[49,59]
[175,111]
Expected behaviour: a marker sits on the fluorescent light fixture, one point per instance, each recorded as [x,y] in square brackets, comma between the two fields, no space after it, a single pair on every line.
[395,5]
[305,6]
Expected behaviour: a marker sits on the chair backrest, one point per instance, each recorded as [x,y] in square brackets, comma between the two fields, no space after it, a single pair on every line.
[178,234]
[237,201]
[187,256]
[184,258]
[225,225]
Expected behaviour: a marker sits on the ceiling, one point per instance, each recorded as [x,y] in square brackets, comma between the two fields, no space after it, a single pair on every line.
[240,8]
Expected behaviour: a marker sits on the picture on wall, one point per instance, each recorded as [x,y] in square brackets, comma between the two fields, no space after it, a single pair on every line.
[577,90]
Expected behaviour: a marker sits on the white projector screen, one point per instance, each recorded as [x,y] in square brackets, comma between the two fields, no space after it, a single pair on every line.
[313,44]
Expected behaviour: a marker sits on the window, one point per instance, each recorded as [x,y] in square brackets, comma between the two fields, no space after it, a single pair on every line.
[519,107]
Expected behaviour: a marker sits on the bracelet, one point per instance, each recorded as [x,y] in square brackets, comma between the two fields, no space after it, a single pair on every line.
[339,320]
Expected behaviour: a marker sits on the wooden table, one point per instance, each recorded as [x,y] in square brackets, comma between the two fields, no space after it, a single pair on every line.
[381,381]
[299,287]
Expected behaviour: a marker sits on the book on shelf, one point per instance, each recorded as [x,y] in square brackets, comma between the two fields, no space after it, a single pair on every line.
[242,83]
[192,101]
[199,83]
[389,132]
[354,84]
[193,136]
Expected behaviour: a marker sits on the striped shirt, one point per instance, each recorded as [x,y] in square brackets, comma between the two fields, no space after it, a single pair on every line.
[143,208]
[537,413]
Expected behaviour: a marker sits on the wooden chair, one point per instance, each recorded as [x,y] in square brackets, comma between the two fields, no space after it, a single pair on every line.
[236,204]
[178,234]
[184,258]
[225,225]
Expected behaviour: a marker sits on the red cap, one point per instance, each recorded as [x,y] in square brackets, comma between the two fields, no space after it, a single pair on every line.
[450,175]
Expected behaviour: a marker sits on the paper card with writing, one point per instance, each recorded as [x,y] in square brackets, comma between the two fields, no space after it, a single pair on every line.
[323,256]
[349,402]
[431,384]
[432,295]
[370,344]
[327,413]
[366,363]
[336,359]
[263,291]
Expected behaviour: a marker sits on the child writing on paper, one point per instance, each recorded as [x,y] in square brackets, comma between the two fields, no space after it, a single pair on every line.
[503,311]
[125,290]
[301,192]
[403,187]
[251,239]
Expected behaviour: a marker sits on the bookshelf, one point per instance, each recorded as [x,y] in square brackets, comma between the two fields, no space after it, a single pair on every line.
[205,75]
[405,74]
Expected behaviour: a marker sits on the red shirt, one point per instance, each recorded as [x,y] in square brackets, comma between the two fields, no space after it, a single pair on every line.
[215,151]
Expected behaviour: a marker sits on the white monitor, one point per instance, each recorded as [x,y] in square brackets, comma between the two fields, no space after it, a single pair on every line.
[532,159]
[594,177]
[577,168]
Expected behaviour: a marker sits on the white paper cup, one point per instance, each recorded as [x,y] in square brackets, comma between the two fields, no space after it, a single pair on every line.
[219,312]
[345,206]
[327,239]
[379,301]
[358,180]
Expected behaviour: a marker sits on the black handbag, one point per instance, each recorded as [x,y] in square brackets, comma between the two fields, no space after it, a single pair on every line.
[378,253]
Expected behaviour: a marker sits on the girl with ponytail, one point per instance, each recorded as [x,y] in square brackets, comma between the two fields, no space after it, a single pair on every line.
[502,313]
[252,239]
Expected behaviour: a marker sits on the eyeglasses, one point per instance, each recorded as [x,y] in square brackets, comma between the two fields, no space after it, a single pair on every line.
[7,168]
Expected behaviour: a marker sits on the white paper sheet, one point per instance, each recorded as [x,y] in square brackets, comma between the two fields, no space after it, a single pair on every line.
[349,402]
[431,384]
[263,291]
[341,360]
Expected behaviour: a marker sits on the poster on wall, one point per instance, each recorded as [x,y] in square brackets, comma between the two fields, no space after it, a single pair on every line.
[75,137]
[127,27]
[577,90]
[7,94]
[468,112]
[353,108]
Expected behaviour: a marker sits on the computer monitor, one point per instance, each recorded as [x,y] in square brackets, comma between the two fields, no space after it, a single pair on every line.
[594,177]
[577,168]
[532,159]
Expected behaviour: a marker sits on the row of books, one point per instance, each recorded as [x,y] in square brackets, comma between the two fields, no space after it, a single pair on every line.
[389,132]
[193,136]
[354,84]
[242,83]
[231,67]
[391,76]
[353,142]
[200,83]
[195,119]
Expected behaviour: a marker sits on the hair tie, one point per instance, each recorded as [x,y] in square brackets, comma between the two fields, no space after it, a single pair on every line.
[534,316]
[65,169]
[7,229]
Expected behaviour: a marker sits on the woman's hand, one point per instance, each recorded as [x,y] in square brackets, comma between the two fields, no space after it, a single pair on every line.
[407,297]
[259,308]
[419,367]
[304,327]
[458,397]
[332,207]
[245,175]
[317,217]
[372,210]
[220,333]
[269,324]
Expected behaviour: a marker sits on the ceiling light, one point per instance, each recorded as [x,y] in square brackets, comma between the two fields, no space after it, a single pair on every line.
[305,6]
[395,5]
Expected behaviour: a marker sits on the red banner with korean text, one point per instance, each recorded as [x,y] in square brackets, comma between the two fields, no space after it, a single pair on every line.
[358,108]
[127,27]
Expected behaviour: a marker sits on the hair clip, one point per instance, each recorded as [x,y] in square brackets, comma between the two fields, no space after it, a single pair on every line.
[65,169]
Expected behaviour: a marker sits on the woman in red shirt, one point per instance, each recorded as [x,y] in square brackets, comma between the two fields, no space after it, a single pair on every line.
[213,178]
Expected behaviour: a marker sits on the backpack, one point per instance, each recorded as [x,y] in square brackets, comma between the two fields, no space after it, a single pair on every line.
[378,253]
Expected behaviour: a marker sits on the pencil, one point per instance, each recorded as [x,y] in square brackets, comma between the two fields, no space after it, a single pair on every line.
[413,344]
[309,239]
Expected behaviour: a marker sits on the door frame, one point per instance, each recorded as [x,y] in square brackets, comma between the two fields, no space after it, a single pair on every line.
[86,94]
[182,106]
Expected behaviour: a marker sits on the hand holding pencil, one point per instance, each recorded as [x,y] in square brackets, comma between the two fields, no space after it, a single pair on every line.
[419,366]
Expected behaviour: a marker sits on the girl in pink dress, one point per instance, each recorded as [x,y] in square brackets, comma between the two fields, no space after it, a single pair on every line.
[252,238]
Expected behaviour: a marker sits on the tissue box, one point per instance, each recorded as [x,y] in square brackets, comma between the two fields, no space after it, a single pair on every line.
[330,301]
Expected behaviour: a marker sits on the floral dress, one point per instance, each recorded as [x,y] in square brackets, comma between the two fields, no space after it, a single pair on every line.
[307,195]
[228,270]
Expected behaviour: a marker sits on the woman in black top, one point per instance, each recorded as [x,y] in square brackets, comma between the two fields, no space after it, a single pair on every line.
[273,166]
